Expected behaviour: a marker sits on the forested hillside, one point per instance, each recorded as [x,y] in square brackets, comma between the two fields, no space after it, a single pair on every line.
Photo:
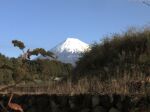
[120,54]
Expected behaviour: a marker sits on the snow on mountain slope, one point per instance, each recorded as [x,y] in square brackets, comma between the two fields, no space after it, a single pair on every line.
[71,45]
[69,50]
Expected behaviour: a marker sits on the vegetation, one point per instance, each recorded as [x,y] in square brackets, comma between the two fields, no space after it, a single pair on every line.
[122,53]
[127,85]
[119,64]
[22,69]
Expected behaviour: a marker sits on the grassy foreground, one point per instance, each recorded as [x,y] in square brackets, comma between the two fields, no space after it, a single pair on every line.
[136,84]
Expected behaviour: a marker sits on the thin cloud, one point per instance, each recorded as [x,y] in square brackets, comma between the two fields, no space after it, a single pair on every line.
[146,3]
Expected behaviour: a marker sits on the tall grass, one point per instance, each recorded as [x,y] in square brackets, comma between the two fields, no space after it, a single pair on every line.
[135,84]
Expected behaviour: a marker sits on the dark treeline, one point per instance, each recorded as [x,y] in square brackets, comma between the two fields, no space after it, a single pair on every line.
[120,54]
[32,70]
[22,69]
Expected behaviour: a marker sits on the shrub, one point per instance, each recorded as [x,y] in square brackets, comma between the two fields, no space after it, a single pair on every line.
[126,52]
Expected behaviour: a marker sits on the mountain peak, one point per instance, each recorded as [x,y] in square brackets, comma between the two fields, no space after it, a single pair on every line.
[69,51]
[72,39]
[72,45]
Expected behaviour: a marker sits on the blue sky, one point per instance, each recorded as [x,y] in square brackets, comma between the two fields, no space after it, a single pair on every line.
[45,23]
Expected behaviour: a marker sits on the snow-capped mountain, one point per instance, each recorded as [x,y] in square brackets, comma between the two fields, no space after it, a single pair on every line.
[71,45]
[70,50]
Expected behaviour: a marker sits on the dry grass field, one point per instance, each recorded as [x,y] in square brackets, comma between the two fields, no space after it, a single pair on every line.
[136,84]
